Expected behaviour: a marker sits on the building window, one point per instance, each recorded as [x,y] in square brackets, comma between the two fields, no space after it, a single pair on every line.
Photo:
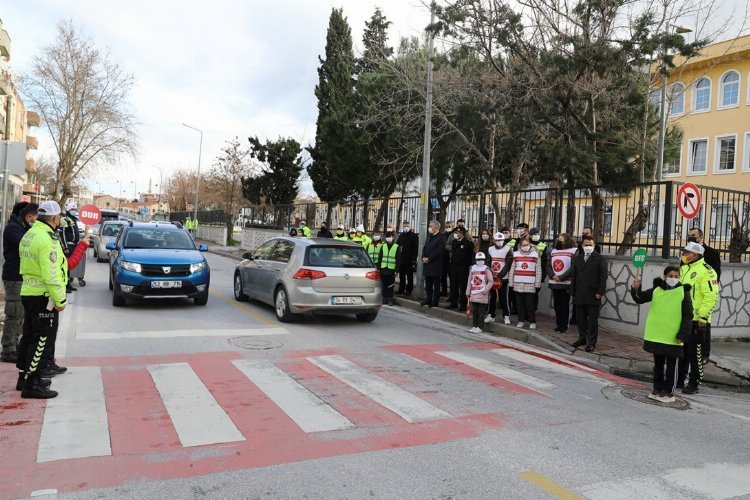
[725,150]
[654,98]
[721,221]
[588,218]
[673,151]
[677,99]
[702,95]
[698,152]
[746,153]
[730,89]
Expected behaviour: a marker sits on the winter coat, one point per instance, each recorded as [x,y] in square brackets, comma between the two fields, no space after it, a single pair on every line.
[12,234]
[433,250]
[408,242]
[588,278]
[462,252]
[324,233]
[657,340]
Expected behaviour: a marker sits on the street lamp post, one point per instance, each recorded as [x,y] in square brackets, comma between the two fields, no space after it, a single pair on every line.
[198,176]
[119,194]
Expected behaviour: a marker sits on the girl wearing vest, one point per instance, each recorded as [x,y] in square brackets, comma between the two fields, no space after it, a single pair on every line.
[373,249]
[525,278]
[559,271]
[478,291]
[668,325]
[500,256]
[388,260]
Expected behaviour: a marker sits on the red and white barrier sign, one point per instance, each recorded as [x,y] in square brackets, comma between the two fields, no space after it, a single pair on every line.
[90,215]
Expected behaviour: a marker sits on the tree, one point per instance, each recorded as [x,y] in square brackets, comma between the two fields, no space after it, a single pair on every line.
[225,179]
[276,182]
[179,190]
[81,95]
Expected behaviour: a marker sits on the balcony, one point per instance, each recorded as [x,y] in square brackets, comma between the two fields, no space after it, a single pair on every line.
[32,118]
[32,142]
[31,166]
[4,43]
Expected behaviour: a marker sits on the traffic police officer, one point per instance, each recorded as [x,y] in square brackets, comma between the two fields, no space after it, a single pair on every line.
[340,234]
[44,270]
[705,294]
[303,229]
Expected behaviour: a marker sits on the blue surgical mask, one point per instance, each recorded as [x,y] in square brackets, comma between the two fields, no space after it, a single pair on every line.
[74,213]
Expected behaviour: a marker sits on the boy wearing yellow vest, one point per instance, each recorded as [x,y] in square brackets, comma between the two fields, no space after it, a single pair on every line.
[389,253]
[669,324]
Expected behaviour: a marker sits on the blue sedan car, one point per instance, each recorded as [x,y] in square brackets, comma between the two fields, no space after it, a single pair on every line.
[157,260]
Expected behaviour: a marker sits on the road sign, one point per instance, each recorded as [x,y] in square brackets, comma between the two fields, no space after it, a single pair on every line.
[90,215]
[639,258]
[689,200]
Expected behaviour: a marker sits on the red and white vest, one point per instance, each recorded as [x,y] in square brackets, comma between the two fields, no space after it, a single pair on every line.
[498,257]
[478,281]
[524,267]
[561,261]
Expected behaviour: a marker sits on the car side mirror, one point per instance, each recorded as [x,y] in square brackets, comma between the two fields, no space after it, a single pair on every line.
[110,246]
[203,248]
[247,255]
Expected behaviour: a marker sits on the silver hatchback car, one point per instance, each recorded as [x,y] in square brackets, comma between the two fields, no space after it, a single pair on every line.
[319,275]
[108,232]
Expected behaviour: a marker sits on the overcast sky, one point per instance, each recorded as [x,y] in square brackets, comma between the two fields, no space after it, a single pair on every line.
[231,68]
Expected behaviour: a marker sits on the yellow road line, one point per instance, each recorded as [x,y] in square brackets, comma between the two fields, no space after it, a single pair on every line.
[549,486]
[234,303]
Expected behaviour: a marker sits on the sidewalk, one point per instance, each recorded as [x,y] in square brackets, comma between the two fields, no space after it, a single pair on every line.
[622,353]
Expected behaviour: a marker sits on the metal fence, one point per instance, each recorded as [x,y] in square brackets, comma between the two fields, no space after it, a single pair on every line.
[204,216]
[623,218]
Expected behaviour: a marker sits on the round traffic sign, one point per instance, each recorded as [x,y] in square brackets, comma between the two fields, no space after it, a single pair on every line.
[639,258]
[689,200]
[90,215]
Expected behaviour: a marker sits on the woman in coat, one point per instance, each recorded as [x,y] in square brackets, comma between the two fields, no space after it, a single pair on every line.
[668,325]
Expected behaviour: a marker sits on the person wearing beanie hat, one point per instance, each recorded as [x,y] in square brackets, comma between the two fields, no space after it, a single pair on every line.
[478,288]
[389,253]
[340,233]
[500,257]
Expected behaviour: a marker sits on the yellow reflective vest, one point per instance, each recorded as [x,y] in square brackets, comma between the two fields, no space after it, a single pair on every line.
[705,291]
[43,264]
[388,256]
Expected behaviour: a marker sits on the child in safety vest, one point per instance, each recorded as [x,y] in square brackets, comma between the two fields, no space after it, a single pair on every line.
[478,291]
[668,325]
[525,278]
[388,258]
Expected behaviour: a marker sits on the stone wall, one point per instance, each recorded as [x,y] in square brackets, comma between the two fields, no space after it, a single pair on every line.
[731,319]
[214,233]
[253,237]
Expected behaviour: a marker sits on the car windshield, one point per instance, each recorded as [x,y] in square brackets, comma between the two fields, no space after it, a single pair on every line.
[159,238]
[337,256]
[111,229]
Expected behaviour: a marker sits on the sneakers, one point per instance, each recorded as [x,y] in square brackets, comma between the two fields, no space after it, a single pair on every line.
[506,320]
[55,367]
[48,372]
[690,389]
[476,329]
[666,398]
[655,396]
[520,324]
[489,319]
[532,326]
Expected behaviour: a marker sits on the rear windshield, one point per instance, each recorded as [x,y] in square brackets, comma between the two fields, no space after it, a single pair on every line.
[159,238]
[337,256]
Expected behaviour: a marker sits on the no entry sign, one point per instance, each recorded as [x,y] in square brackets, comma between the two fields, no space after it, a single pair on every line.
[689,200]
[90,215]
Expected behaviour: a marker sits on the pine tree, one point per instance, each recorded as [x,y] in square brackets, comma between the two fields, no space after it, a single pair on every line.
[277,183]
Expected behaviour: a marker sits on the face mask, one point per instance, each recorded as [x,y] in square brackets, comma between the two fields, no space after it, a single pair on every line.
[507,235]
[461,225]
[520,233]
[486,237]
[535,237]
[480,262]
[389,239]
[376,237]
[405,229]
[684,260]
[588,250]
[672,282]
[448,229]
[558,245]
[302,225]
[499,243]
[323,228]
[526,248]
[340,233]
[74,213]
[359,234]
[692,239]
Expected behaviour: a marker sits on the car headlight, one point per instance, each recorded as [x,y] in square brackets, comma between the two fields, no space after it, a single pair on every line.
[200,266]
[131,266]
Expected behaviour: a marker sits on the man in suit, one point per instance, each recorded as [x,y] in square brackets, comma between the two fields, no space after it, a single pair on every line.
[712,258]
[408,242]
[432,262]
[588,285]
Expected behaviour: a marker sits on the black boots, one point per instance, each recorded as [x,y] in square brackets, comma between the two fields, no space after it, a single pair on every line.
[34,387]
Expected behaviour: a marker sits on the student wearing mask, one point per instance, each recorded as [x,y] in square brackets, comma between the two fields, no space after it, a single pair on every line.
[432,265]
[559,270]
[444,290]
[478,289]
[388,259]
[501,258]
[373,249]
[363,238]
[408,241]
[541,248]
[712,258]
[588,286]
[525,278]
[462,257]
[522,230]
[340,234]
[324,232]
[353,236]
[668,324]
[484,242]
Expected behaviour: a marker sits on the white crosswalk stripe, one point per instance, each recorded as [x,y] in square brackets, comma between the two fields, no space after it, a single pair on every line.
[197,417]
[305,408]
[75,423]
[546,364]
[401,402]
[497,370]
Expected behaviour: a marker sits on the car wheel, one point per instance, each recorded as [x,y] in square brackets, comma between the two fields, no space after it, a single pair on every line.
[239,295]
[202,300]
[367,317]
[110,282]
[96,255]
[117,299]
[281,305]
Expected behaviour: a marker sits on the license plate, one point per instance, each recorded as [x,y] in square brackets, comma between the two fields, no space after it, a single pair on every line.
[351,301]
[166,284]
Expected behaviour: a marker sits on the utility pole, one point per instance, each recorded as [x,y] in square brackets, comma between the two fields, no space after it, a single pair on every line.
[198,177]
[424,196]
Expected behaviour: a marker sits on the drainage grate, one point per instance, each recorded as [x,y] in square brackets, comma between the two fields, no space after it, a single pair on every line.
[254,343]
[641,396]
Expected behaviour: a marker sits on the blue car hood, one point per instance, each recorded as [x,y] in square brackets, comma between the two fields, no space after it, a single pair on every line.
[152,256]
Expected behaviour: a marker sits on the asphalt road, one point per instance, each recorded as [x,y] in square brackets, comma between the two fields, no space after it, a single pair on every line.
[166,399]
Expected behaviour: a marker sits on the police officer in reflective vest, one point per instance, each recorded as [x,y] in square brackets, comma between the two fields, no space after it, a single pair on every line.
[45,271]
[340,234]
[389,253]
[373,249]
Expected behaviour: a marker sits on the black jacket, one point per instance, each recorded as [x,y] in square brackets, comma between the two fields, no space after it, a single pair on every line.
[713,259]
[324,233]
[409,248]
[462,252]
[12,234]
[433,249]
[686,325]
[588,278]
[71,237]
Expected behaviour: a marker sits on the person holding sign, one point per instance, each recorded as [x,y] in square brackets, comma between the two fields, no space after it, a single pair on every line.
[668,325]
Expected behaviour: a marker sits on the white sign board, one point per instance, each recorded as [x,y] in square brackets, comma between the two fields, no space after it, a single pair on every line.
[16,157]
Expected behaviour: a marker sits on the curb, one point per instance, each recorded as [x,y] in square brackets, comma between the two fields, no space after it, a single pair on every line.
[621,366]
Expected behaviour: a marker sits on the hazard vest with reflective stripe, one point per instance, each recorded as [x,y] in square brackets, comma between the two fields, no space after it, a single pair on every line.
[665,316]
[388,256]
[374,252]
[43,264]
[525,267]
[561,262]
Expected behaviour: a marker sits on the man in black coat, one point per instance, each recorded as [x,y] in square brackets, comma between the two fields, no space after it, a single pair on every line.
[462,257]
[324,231]
[432,263]
[588,285]
[712,258]
[408,243]
[23,216]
